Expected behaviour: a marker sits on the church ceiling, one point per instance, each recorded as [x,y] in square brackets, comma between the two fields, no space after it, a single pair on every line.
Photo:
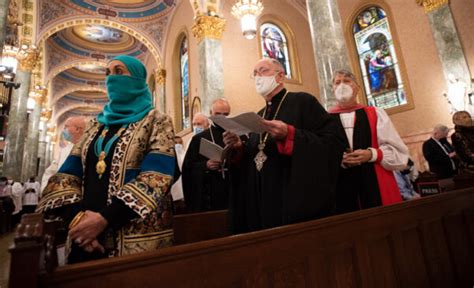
[80,36]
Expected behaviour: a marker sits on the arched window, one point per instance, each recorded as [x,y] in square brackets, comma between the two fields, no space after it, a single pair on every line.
[184,72]
[379,65]
[274,44]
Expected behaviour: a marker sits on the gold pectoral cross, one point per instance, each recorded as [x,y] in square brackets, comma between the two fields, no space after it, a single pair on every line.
[260,158]
[101,166]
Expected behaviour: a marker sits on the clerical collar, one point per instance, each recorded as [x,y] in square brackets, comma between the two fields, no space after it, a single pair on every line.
[277,98]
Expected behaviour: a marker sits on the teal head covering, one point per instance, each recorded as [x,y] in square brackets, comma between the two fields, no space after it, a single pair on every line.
[129,96]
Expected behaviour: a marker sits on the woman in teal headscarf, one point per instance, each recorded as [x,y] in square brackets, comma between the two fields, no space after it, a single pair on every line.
[113,190]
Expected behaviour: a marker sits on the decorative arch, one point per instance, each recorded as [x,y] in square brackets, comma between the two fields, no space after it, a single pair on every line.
[73,89]
[150,43]
[292,52]
[377,58]
[61,112]
[71,64]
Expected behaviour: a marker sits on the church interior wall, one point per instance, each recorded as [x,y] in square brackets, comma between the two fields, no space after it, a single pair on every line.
[239,56]
[182,21]
[463,11]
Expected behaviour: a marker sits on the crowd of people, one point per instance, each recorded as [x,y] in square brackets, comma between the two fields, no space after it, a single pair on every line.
[123,176]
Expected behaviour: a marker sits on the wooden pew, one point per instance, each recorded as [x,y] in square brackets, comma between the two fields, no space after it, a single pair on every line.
[422,243]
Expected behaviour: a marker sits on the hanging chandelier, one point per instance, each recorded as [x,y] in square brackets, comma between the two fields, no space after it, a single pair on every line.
[247,11]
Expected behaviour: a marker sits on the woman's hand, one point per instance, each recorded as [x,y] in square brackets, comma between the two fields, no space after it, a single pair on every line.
[94,246]
[87,230]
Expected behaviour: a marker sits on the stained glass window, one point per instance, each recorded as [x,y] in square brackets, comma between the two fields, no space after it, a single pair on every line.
[377,58]
[184,68]
[274,45]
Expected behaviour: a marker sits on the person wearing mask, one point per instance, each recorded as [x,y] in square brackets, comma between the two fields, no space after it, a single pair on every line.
[200,123]
[405,179]
[31,196]
[113,190]
[288,173]
[463,139]
[205,181]
[177,188]
[440,154]
[73,130]
[373,149]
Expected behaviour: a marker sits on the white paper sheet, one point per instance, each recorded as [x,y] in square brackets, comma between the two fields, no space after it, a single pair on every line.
[242,124]
[211,150]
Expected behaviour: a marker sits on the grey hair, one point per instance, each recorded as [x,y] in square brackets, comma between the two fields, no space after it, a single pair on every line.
[276,63]
[441,128]
[345,73]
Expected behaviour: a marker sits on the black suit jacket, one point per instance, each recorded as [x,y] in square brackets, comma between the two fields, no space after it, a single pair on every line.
[439,162]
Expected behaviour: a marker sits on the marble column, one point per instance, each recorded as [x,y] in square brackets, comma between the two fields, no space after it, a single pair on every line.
[330,50]
[30,153]
[448,44]
[160,88]
[3,22]
[42,146]
[208,31]
[17,118]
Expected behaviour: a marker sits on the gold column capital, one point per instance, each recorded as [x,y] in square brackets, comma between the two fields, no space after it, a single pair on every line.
[160,77]
[46,114]
[208,27]
[431,5]
[27,59]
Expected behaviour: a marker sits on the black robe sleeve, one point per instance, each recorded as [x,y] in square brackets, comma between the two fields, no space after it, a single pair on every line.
[317,154]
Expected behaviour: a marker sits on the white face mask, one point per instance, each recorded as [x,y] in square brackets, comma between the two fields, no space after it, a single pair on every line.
[10,182]
[197,130]
[265,84]
[343,93]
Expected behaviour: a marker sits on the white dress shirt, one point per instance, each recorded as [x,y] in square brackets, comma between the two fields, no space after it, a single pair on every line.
[394,151]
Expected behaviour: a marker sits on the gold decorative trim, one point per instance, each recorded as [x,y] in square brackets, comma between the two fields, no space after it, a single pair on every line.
[66,23]
[431,5]
[27,59]
[208,27]
[160,77]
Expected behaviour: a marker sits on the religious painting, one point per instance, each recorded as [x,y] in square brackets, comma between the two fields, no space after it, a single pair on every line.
[99,34]
[184,69]
[274,45]
[378,61]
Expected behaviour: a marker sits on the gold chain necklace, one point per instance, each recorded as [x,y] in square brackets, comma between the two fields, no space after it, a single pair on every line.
[260,158]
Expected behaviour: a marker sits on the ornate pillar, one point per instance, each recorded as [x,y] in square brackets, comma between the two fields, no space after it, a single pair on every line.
[42,152]
[160,87]
[30,160]
[17,118]
[30,153]
[208,32]
[3,22]
[451,54]
[330,50]
[43,144]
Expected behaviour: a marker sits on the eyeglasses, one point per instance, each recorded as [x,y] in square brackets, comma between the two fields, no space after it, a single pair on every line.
[262,72]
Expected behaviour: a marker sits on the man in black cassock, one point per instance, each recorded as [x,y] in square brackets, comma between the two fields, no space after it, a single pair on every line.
[287,175]
[205,183]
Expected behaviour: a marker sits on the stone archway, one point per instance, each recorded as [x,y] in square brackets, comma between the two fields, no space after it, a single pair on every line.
[61,112]
[75,62]
[73,89]
[150,43]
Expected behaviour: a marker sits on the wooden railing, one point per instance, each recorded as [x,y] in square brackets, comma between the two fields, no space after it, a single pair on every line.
[421,243]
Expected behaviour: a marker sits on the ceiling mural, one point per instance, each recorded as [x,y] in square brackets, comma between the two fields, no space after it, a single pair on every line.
[80,36]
